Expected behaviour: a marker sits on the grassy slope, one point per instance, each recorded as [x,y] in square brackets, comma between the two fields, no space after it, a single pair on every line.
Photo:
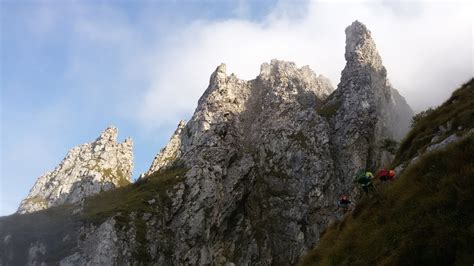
[427,216]
[133,197]
[459,109]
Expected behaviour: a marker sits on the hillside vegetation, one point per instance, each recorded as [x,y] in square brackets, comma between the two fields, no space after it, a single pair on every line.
[456,115]
[426,217]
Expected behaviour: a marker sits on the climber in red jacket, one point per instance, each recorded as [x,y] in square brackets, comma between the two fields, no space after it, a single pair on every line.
[391,174]
[382,175]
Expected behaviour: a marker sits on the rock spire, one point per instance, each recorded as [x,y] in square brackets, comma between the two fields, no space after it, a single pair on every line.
[86,170]
[360,47]
[367,108]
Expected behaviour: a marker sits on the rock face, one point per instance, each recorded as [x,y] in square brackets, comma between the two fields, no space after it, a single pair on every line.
[87,170]
[168,154]
[269,157]
[258,155]
[365,108]
[265,161]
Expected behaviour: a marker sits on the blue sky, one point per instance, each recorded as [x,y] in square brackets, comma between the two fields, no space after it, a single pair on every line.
[71,68]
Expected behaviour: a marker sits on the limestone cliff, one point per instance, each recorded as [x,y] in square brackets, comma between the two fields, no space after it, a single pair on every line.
[258,160]
[268,157]
[254,176]
[365,109]
[87,170]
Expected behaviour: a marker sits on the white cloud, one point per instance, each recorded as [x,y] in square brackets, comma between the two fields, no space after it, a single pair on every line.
[426,47]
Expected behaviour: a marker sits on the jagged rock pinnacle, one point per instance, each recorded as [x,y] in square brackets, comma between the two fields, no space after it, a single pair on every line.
[360,47]
[369,109]
[219,75]
[87,170]
[109,134]
[282,71]
[169,153]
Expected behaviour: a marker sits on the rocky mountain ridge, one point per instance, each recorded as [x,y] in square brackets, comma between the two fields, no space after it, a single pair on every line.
[254,176]
[86,170]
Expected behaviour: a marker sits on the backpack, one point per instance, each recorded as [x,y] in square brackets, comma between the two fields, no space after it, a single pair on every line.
[364,180]
[391,173]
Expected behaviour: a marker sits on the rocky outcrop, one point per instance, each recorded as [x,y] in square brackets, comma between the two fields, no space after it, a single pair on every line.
[263,163]
[169,153]
[258,155]
[268,157]
[365,109]
[87,170]
[258,164]
[235,104]
[100,244]
[265,156]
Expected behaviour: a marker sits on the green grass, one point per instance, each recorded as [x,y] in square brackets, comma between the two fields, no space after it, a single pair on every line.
[425,218]
[389,145]
[122,180]
[133,197]
[37,200]
[459,109]
[119,178]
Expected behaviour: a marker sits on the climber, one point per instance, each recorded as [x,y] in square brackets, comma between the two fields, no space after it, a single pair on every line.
[382,175]
[364,178]
[369,175]
[344,203]
[391,174]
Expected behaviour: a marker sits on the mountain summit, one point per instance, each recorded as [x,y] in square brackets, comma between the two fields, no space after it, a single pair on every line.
[251,179]
[360,47]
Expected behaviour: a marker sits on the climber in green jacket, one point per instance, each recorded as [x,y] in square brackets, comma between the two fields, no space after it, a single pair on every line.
[364,178]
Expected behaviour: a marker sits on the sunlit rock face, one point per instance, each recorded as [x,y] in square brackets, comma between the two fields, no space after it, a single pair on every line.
[258,158]
[169,153]
[264,163]
[87,169]
[269,157]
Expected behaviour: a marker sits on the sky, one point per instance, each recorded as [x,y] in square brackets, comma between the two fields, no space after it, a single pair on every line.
[69,69]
